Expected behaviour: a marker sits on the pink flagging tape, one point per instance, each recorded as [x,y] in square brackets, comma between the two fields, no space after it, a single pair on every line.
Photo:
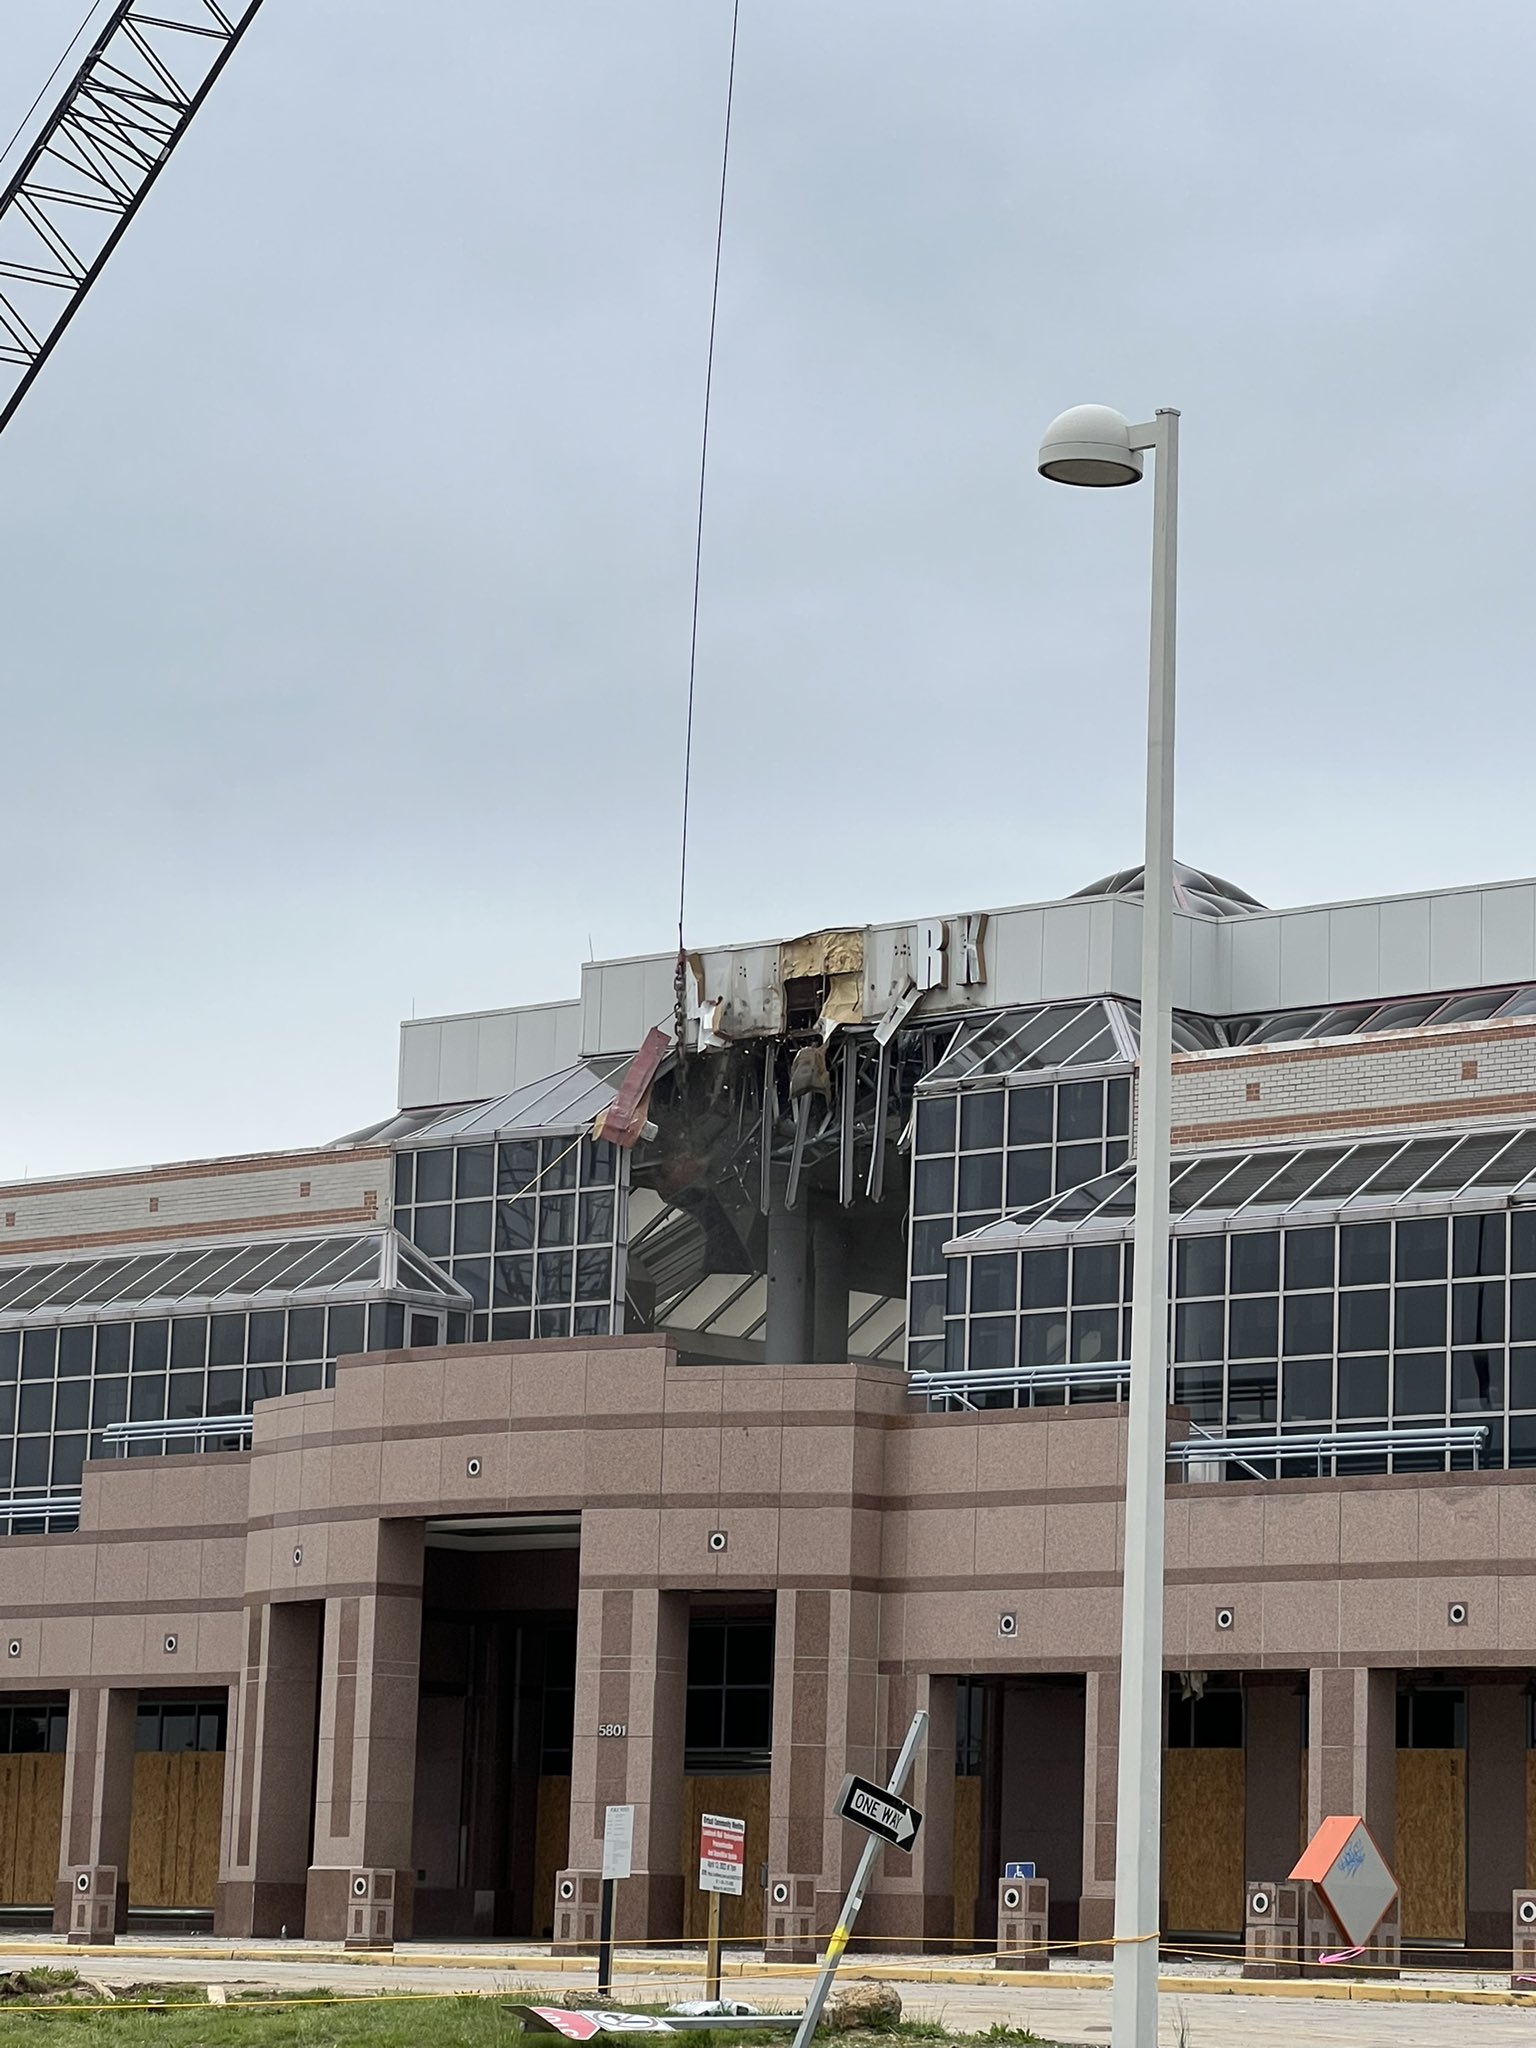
[1343,1955]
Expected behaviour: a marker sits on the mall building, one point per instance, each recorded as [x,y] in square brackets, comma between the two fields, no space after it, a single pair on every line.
[686,1382]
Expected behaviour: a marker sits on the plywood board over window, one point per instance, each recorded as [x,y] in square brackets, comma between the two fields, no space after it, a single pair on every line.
[743,1798]
[551,1844]
[1432,1843]
[31,1808]
[1203,1819]
[173,1849]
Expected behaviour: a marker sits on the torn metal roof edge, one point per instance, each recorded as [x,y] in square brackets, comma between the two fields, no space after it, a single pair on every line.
[563,1103]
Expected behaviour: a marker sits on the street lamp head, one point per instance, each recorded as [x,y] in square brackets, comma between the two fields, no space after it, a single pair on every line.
[1090,445]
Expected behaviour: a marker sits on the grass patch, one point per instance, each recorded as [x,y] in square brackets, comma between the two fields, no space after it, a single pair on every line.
[179,2016]
[47,2008]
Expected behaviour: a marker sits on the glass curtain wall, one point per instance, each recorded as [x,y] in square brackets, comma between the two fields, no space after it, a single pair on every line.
[977,1155]
[1423,1319]
[60,1387]
[531,1228]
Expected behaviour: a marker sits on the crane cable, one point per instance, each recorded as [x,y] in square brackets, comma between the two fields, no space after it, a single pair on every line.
[680,977]
[48,81]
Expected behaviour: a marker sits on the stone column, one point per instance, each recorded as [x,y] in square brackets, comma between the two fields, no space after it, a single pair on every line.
[271,1764]
[98,1794]
[1352,1750]
[1272,1783]
[365,1779]
[829,1257]
[912,1899]
[631,1678]
[1101,1772]
[1496,1764]
[1352,1768]
[787,1332]
[825,1724]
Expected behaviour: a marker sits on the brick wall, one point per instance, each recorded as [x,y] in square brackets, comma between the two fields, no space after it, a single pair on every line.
[257,1195]
[1447,1075]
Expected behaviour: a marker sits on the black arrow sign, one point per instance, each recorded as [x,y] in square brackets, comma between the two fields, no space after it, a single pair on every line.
[878,1812]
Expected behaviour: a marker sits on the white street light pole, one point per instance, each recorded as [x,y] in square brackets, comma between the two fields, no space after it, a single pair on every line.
[1094,446]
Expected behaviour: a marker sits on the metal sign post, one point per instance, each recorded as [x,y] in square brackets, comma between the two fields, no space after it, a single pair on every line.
[881,1828]
[618,1857]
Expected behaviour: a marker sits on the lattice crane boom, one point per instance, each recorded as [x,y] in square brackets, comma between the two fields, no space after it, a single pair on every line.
[92,162]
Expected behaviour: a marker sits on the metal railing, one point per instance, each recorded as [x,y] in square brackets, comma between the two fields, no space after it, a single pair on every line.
[198,1429]
[1391,1440]
[968,1389]
[960,1386]
[37,1506]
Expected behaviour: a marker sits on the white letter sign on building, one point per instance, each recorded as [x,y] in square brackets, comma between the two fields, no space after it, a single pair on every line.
[946,950]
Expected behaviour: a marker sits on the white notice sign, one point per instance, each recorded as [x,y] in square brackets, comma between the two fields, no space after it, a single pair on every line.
[618,1840]
[722,1853]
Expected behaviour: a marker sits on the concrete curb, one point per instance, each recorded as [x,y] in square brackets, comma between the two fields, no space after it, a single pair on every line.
[532,1967]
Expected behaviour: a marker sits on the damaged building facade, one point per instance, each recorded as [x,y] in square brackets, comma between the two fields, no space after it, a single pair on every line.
[685,1382]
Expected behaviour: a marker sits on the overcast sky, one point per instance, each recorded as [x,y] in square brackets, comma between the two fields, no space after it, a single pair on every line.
[346,541]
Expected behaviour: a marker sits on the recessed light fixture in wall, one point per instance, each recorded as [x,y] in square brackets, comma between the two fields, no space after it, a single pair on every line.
[170,1646]
[1456,1614]
[1007,1624]
[1225,1618]
[717,1539]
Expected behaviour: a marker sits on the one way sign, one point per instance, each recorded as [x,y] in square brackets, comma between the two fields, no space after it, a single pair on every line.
[878,1812]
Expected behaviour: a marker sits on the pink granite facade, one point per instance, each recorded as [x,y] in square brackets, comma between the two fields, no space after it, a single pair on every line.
[888,1542]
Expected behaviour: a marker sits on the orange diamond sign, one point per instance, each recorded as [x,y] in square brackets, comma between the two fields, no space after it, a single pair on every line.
[1351,1876]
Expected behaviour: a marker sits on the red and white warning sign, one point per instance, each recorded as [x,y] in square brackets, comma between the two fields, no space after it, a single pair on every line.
[585,2026]
[722,1853]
